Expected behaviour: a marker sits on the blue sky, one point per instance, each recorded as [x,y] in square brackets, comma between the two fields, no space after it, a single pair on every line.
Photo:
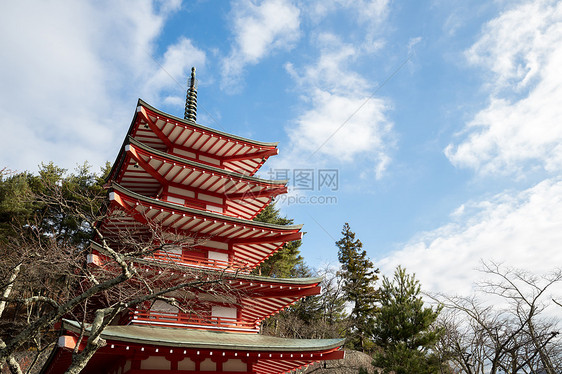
[442,118]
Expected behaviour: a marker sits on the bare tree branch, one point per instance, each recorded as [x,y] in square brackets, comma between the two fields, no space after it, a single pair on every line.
[45,277]
[511,333]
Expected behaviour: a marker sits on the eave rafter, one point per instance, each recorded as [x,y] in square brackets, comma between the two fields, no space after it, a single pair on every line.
[297,293]
[269,187]
[154,128]
[272,192]
[272,239]
[230,152]
[262,154]
[237,233]
[137,345]
[252,194]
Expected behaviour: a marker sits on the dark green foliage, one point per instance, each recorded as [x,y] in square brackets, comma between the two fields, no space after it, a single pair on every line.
[286,261]
[402,360]
[27,200]
[296,320]
[14,203]
[404,328]
[359,279]
[43,234]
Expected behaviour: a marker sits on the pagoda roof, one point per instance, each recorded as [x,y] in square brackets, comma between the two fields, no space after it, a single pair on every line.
[259,297]
[200,165]
[251,241]
[255,302]
[146,170]
[267,354]
[143,103]
[264,297]
[300,281]
[184,137]
[187,338]
[211,215]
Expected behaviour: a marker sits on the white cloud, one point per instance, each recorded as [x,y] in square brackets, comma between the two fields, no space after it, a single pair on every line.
[342,119]
[332,69]
[521,230]
[169,6]
[520,129]
[175,68]
[330,130]
[371,12]
[67,72]
[412,43]
[259,30]
[368,16]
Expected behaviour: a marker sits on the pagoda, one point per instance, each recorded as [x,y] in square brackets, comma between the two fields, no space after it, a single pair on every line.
[191,180]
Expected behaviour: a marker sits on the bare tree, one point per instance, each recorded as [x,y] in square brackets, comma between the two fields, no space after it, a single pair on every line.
[45,276]
[333,304]
[505,327]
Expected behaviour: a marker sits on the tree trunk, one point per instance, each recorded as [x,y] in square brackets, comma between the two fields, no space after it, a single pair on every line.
[11,361]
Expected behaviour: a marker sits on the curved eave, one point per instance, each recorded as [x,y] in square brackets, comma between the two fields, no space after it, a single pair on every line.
[146,171]
[205,128]
[287,281]
[197,212]
[260,297]
[185,138]
[249,242]
[189,338]
[209,168]
[238,276]
[270,147]
[265,354]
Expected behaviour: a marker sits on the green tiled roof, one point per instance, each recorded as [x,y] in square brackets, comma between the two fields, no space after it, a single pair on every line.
[188,338]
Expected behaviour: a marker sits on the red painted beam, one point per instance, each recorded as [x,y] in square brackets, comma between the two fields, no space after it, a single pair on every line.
[268,239]
[286,292]
[261,154]
[253,195]
[155,129]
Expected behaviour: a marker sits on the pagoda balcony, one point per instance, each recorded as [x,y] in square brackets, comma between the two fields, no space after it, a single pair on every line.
[231,266]
[191,321]
[234,266]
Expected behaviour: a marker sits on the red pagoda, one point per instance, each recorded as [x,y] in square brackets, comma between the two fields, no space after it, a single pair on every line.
[190,179]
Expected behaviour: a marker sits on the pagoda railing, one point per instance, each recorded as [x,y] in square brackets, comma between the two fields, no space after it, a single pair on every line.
[192,321]
[184,259]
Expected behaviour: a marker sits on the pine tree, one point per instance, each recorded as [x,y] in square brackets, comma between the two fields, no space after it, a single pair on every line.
[17,204]
[287,260]
[359,279]
[404,329]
